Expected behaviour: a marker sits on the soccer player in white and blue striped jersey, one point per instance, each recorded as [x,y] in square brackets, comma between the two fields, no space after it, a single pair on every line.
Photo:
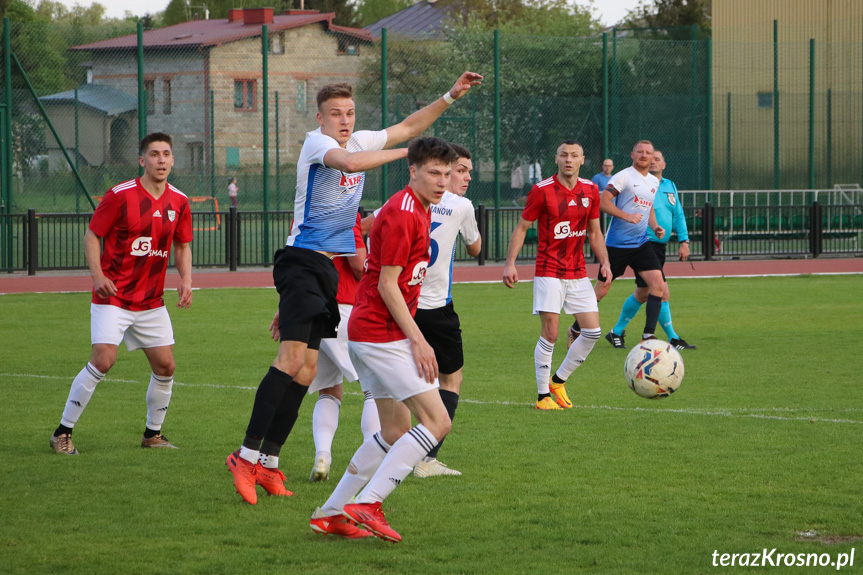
[330,180]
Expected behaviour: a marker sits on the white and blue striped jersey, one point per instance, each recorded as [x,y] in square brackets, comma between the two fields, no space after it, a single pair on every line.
[327,199]
[635,196]
[453,215]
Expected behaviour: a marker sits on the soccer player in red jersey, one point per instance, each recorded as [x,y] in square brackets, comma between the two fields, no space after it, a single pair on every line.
[566,208]
[138,221]
[390,353]
[334,364]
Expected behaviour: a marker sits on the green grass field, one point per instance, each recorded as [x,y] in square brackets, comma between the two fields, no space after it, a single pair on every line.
[761,443]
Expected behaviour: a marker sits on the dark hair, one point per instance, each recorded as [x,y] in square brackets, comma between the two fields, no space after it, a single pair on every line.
[154,137]
[572,143]
[461,151]
[421,150]
[330,91]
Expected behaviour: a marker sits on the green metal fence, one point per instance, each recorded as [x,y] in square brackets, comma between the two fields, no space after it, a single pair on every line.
[70,119]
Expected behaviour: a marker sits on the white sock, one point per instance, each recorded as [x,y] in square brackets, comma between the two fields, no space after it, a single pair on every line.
[325,421]
[158,398]
[542,360]
[370,422]
[363,465]
[399,462]
[250,455]
[82,390]
[578,351]
[268,461]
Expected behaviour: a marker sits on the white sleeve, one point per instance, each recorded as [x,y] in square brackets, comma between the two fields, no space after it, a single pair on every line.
[371,140]
[618,181]
[467,224]
[316,147]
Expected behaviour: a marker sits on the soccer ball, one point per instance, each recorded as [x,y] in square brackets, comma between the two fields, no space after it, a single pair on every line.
[654,369]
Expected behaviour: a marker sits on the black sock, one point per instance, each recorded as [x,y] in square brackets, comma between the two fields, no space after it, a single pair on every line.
[148,433]
[450,402]
[654,305]
[61,429]
[267,400]
[542,396]
[556,379]
[284,418]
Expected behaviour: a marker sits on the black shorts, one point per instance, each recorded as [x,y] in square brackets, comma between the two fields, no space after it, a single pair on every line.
[442,331]
[307,282]
[642,258]
[660,253]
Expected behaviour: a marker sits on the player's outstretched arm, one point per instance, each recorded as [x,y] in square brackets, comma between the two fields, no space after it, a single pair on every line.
[93,252]
[353,162]
[597,246]
[416,123]
[516,241]
[183,261]
[388,287]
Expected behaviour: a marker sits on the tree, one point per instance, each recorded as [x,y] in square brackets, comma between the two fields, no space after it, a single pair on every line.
[676,16]
[371,11]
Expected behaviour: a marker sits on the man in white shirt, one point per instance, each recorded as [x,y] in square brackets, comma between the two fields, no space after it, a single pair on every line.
[436,316]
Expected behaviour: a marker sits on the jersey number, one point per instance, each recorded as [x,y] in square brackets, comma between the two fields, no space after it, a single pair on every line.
[434,247]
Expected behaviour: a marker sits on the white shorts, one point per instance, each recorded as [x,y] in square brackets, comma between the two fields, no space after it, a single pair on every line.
[333,359]
[139,329]
[573,296]
[388,370]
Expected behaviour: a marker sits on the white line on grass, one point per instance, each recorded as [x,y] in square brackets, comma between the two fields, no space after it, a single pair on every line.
[750,412]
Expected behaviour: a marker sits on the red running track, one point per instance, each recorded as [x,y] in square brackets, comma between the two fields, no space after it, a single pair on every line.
[263,278]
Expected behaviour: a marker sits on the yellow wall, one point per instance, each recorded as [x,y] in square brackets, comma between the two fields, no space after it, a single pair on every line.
[743,66]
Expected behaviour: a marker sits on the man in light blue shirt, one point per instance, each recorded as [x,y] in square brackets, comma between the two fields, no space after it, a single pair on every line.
[601,179]
[669,215]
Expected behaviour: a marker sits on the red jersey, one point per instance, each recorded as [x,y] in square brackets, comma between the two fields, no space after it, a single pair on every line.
[347,293]
[399,237]
[138,230]
[562,216]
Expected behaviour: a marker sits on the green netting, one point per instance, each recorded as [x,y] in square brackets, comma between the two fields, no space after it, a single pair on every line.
[211,99]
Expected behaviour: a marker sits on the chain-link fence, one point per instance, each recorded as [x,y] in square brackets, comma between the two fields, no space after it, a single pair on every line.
[238,96]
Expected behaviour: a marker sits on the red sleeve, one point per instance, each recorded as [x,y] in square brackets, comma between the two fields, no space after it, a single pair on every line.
[396,237]
[358,234]
[534,206]
[183,231]
[594,202]
[106,214]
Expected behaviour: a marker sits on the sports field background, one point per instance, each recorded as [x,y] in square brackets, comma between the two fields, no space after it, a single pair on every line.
[761,444]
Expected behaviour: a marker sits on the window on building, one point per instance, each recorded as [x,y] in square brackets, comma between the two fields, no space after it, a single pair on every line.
[765,99]
[244,95]
[195,151]
[277,43]
[348,47]
[150,89]
[166,102]
[302,95]
[232,157]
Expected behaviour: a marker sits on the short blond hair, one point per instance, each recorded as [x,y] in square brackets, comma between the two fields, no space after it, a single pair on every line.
[648,142]
[330,91]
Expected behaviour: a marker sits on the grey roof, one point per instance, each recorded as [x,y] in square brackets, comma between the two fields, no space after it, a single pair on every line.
[105,99]
[422,20]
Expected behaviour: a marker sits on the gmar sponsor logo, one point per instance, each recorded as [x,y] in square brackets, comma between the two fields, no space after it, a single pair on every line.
[419,274]
[562,230]
[350,181]
[142,247]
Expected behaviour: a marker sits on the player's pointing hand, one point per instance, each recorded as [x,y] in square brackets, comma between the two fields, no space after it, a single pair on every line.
[465,82]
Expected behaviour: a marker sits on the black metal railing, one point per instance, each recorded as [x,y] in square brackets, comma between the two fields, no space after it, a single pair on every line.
[233,239]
